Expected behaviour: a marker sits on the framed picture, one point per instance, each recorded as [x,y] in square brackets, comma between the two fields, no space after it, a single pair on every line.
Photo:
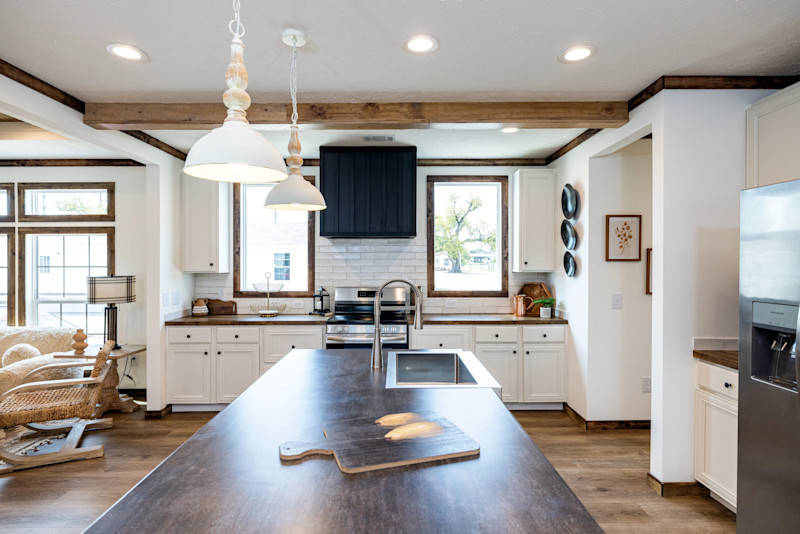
[648,277]
[623,238]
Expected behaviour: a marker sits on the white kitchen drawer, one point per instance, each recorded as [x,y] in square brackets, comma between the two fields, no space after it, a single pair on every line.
[542,334]
[237,334]
[719,380]
[189,334]
[495,334]
[280,344]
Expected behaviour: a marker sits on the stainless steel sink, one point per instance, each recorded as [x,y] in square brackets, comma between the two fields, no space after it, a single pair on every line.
[437,369]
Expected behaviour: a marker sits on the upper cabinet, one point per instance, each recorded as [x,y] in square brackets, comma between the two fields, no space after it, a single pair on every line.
[371,191]
[206,226]
[533,220]
[772,125]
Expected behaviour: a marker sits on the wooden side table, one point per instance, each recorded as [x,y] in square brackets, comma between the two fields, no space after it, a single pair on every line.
[110,398]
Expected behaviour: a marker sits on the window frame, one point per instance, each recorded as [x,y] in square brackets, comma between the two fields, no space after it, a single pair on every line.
[110,232]
[237,256]
[10,190]
[25,217]
[432,180]
[12,275]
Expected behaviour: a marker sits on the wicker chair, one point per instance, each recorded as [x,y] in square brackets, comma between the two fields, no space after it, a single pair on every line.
[52,400]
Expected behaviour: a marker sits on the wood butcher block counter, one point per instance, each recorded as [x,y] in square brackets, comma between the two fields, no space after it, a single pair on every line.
[228,477]
[246,320]
[725,358]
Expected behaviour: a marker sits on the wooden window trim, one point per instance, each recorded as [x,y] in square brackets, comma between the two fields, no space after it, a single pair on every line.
[9,188]
[503,230]
[108,186]
[22,232]
[12,275]
[237,255]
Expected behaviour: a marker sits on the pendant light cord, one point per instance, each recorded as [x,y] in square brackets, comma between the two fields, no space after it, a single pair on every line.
[293,81]
[238,30]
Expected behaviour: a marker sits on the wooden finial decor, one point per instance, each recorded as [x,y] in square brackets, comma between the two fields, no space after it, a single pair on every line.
[80,342]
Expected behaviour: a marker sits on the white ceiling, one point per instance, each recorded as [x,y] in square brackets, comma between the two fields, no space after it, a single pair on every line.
[19,140]
[501,50]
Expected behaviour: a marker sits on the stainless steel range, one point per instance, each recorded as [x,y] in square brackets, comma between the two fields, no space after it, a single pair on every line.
[352,324]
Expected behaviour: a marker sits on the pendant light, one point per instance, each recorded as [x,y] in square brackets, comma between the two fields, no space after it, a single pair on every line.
[235,152]
[294,193]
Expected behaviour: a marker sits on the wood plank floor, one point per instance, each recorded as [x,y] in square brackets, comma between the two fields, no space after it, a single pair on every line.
[605,468]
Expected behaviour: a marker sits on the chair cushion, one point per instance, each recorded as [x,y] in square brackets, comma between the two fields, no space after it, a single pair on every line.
[12,375]
[47,405]
[19,352]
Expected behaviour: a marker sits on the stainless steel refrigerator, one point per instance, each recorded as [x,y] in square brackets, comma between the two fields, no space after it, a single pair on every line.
[768,485]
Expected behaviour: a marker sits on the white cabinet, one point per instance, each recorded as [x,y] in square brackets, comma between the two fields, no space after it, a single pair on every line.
[237,368]
[533,220]
[716,430]
[189,374]
[502,362]
[772,155]
[436,337]
[544,376]
[278,341]
[206,226]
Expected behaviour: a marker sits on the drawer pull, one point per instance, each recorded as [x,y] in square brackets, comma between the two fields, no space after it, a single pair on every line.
[515,352]
[441,345]
[728,385]
[527,352]
[497,335]
[219,352]
[236,336]
[544,335]
[206,353]
[292,346]
[188,336]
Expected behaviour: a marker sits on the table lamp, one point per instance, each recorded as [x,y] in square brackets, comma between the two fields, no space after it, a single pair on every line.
[110,290]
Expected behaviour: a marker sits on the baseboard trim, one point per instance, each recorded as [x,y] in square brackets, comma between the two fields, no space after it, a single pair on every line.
[605,425]
[158,414]
[677,489]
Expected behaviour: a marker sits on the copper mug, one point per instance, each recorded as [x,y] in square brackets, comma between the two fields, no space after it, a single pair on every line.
[519,305]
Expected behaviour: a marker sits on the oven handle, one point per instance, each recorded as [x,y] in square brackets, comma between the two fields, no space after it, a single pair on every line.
[364,338]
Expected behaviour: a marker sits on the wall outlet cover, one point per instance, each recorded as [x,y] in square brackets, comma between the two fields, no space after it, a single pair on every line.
[450,303]
[134,361]
[176,298]
[647,384]
[165,299]
[298,305]
[616,301]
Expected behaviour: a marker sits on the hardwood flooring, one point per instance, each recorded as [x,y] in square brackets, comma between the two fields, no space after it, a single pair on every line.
[605,468]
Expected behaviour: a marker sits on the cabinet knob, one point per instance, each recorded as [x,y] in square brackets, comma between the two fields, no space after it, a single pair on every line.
[497,335]
[527,352]
[515,352]
[292,346]
[219,352]
[188,336]
[544,335]
[206,353]
[236,336]
[441,345]
[728,385]
[211,264]
[526,263]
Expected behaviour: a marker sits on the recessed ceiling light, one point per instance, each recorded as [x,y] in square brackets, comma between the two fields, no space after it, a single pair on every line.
[421,44]
[126,52]
[509,129]
[576,53]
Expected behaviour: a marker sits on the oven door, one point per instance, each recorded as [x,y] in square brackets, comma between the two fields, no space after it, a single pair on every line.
[364,341]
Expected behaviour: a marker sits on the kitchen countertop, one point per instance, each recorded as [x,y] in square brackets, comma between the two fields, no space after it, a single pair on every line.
[431,319]
[228,477]
[725,358]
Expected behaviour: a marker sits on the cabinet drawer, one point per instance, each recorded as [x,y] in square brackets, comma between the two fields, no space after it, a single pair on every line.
[281,344]
[188,334]
[543,334]
[237,334]
[717,380]
[495,334]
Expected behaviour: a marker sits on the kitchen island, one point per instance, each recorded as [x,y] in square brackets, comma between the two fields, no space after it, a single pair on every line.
[228,477]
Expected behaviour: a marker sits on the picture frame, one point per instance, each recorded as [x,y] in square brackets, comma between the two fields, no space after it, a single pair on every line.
[623,238]
[648,269]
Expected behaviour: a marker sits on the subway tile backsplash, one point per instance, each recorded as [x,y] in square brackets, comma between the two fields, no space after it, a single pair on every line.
[369,262]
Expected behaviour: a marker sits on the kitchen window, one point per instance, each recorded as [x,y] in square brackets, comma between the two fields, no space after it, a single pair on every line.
[467,236]
[278,242]
[54,264]
[6,202]
[66,202]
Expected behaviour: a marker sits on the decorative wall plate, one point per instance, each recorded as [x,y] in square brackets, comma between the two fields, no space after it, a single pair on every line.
[570,201]
[570,267]
[568,235]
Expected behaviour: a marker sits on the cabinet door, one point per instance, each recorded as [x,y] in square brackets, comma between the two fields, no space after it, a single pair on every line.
[205,226]
[502,362]
[433,337]
[237,369]
[543,373]
[279,341]
[715,444]
[189,372]
[533,221]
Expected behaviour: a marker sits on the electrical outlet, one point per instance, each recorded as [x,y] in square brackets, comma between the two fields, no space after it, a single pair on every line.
[450,303]
[134,361]
[298,305]
[616,301]
[647,384]
[165,299]
[176,298]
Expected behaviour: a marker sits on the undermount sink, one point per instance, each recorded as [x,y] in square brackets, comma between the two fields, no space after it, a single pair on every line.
[437,369]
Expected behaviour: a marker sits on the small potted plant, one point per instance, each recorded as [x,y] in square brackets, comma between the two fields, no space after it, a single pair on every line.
[546,311]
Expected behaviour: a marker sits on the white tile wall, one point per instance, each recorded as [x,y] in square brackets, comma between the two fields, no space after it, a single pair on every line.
[369,262]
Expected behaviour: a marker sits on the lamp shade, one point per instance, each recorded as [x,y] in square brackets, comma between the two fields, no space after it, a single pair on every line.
[235,152]
[110,289]
[295,193]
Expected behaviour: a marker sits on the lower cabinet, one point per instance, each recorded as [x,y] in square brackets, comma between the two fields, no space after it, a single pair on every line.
[237,368]
[189,374]
[502,362]
[543,373]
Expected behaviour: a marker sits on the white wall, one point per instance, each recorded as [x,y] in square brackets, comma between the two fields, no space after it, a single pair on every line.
[620,338]
[369,262]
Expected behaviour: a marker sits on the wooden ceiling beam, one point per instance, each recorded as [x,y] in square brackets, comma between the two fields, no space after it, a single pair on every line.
[148,116]
[69,163]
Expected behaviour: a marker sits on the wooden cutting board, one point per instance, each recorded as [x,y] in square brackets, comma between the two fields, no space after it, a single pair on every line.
[359,445]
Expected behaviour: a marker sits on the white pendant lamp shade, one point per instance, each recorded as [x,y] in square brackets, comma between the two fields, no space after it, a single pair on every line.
[235,152]
[295,193]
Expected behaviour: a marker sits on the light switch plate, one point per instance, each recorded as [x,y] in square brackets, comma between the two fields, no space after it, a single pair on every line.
[176,298]
[165,299]
[298,305]
[616,301]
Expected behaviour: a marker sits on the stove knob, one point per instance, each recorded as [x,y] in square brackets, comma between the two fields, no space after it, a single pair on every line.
[340,329]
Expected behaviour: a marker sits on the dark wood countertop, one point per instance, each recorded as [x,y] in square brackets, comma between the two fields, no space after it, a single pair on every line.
[228,476]
[247,320]
[726,358]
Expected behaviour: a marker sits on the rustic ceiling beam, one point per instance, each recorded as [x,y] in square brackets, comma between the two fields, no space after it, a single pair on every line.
[148,116]
[40,86]
[69,163]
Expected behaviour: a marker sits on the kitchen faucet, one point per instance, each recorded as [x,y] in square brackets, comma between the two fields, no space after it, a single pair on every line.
[377,360]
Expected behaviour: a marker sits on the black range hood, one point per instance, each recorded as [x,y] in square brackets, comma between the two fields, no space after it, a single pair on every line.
[371,191]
